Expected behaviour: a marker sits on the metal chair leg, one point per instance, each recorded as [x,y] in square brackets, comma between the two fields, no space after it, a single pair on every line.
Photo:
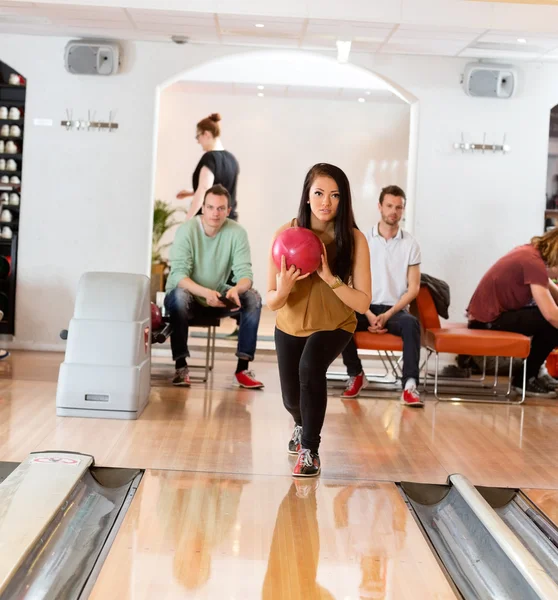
[481,400]
[213,337]
[207,354]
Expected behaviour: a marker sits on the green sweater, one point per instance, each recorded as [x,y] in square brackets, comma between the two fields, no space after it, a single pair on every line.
[209,260]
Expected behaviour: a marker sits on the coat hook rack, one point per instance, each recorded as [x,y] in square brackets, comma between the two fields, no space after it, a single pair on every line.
[88,124]
[484,147]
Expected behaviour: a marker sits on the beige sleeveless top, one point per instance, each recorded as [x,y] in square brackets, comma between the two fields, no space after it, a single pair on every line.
[313,306]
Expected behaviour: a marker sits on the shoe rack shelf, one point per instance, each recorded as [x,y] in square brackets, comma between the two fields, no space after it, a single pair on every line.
[11,96]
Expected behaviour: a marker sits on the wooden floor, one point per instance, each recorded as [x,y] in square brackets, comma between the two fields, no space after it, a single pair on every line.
[217,514]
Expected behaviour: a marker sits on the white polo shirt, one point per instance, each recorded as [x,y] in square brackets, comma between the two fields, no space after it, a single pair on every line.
[389,261]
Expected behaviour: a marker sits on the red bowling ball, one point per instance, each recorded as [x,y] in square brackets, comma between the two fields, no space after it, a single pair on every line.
[156,317]
[301,248]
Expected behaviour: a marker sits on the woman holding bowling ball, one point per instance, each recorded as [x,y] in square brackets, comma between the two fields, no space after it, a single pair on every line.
[316,311]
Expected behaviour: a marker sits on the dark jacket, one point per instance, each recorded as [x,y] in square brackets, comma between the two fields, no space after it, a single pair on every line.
[440,293]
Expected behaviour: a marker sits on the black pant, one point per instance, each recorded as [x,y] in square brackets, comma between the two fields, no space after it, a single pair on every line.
[402,324]
[303,363]
[528,321]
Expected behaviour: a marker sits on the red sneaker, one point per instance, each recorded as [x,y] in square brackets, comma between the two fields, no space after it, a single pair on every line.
[307,464]
[411,397]
[247,379]
[182,377]
[355,385]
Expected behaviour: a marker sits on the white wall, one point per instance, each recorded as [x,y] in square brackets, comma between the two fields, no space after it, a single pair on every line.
[276,140]
[87,197]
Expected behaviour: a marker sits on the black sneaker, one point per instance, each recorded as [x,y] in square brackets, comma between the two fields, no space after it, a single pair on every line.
[308,464]
[535,388]
[294,444]
[549,381]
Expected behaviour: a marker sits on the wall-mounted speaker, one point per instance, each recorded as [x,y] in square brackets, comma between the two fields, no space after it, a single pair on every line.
[83,57]
[487,80]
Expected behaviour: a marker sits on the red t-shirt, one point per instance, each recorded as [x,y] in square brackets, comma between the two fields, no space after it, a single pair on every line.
[506,285]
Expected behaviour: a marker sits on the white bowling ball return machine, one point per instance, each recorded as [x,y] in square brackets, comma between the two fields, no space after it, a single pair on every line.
[107,367]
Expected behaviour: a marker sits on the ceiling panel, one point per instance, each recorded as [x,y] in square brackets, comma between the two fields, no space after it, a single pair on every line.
[270,42]
[172,17]
[62,11]
[336,28]
[418,32]
[534,43]
[246,26]
[518,1]
[178,27]
[413,32]
[498,54]
[422,46]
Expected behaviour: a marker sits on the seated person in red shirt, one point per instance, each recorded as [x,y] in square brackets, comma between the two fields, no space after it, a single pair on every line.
[517,295]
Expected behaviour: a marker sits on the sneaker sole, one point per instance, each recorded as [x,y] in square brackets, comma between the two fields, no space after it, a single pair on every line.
[343,395]
[292,452]
[308,474]
[181,384]
[412,404]
[548,395]
[250,387]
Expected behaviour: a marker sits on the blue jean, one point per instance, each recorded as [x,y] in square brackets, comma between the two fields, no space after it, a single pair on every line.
[402,324]
[182,307]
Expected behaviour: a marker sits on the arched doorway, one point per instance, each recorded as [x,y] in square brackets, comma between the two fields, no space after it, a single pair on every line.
[273,70]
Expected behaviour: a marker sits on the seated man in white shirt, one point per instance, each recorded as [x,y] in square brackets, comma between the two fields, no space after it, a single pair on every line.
[395,263]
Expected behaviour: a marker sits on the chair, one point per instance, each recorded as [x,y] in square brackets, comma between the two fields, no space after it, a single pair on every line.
[211,323]
[457,339]
[385,344]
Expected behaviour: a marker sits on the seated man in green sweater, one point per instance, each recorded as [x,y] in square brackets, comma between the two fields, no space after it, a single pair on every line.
[206,250]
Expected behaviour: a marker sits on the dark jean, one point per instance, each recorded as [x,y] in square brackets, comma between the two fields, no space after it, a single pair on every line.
[182,307]
[402,324]
[303,363]
[528,321]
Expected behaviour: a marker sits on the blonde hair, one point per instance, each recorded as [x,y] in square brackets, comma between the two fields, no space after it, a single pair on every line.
[210,124]
[547,245]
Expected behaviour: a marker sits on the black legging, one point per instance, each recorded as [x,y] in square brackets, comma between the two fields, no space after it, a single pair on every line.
[303,363]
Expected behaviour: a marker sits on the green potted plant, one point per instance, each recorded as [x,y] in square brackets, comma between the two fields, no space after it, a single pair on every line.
[163,220]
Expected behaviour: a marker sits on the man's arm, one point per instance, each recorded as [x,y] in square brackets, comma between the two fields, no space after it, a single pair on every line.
[242,262]
[241,267]
[413,288]
[205,182]
[546,303]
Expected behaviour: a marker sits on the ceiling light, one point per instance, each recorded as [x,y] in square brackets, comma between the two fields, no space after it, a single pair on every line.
[260,25]
[260,87]
[521,41]
[361,100]
[343,51]
[260,95]
[368,93]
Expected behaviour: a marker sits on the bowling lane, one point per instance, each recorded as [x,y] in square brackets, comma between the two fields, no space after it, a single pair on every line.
[192,535]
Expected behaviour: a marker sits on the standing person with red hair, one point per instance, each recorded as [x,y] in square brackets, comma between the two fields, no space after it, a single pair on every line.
[217,165]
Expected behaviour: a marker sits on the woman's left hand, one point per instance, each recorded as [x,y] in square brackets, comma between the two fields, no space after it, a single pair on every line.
[324,271]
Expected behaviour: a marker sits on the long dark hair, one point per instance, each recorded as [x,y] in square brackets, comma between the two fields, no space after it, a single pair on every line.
[344,219]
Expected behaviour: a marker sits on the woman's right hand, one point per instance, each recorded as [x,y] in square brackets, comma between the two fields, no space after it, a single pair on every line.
[185,194]
[286,278]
